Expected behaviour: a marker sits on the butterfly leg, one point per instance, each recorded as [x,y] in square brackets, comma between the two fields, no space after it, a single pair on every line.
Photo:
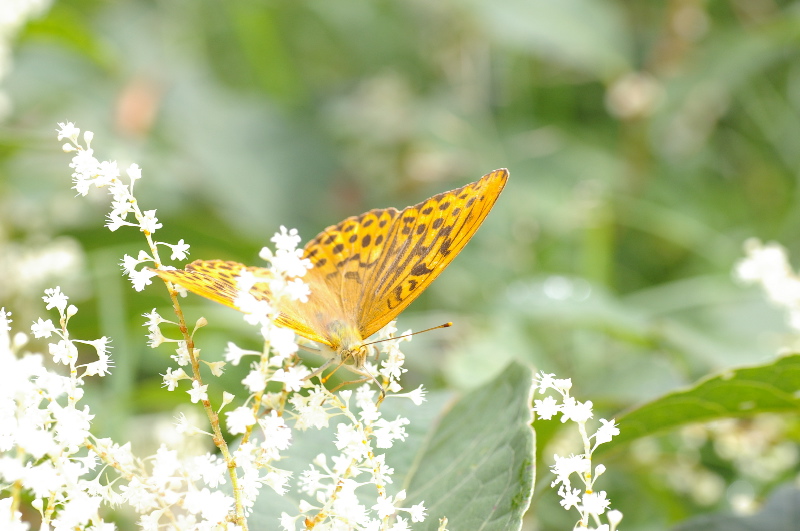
[367,377]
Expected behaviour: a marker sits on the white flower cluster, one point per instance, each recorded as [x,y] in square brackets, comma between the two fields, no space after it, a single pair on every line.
[282,281]
[588,502]
[768,265]
[48,453]
[88,171]
[333,486]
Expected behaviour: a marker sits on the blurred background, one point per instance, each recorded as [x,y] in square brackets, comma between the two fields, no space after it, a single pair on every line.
[645,140]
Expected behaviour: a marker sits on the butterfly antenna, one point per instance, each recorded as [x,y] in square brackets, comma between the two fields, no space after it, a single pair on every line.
[445,325]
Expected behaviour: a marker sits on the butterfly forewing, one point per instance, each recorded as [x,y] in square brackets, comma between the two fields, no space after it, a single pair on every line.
[422,241]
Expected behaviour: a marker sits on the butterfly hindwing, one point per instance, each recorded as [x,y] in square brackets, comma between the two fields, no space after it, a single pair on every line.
[213,279]
[217,280]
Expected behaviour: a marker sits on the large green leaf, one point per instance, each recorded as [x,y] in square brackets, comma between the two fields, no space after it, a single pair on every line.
[471,461]
[771,387]
[478,466]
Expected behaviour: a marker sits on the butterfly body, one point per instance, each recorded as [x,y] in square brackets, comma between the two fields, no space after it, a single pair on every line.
[366,269]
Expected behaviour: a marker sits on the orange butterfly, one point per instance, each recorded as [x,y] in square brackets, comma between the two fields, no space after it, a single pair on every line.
[367,269]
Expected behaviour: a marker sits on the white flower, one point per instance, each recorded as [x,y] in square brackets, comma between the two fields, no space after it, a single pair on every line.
[55,299]
[240,419]
[606,431]
[153,318]
[569,497]
[544,381]
[352,441]
[387,431]
[198,392]
[68,131]
[291,263]
[310,409]
[63,352]
[546,408]
[134,173]
[172,377]
[277,479]
[282,341]
[576,411]
[72,425]
[43,328]
[255,381]
[179,251]
[297,290]
[11,520]
[385,507]
[566,466]
[614,517]
[211,469]
[149,223]
[392,368]
[417,396]
[418,512]
[288,523]
[233,354]
[401,524]
[763,262]
[129,264]
[285,240]
[101,367]
[213,506]
[141,278]
[294,378]
[107,172]
[311,480]
[154,336]
[277,435]
[595,503]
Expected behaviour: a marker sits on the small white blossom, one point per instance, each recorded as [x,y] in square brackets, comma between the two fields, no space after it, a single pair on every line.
[240,419]
[68,131]
[575,410]
[198,392]
[179,251]
[233,354]
[141,278]
[53,298]
[43,328]
[294,378]
[546,408]
[172,377]
[606,431]
[149,223]
[286,240]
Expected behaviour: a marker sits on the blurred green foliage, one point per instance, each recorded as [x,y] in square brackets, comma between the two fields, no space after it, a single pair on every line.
[645,141]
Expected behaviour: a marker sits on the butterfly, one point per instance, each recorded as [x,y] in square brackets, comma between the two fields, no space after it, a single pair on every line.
[366,269]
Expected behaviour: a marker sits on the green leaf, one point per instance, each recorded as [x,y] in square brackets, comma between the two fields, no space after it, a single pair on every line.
[778,514]
[310,443]
[478,466]
[771,387]
[477,451]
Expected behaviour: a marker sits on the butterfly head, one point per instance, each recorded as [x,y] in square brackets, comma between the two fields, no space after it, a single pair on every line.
[346,340]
